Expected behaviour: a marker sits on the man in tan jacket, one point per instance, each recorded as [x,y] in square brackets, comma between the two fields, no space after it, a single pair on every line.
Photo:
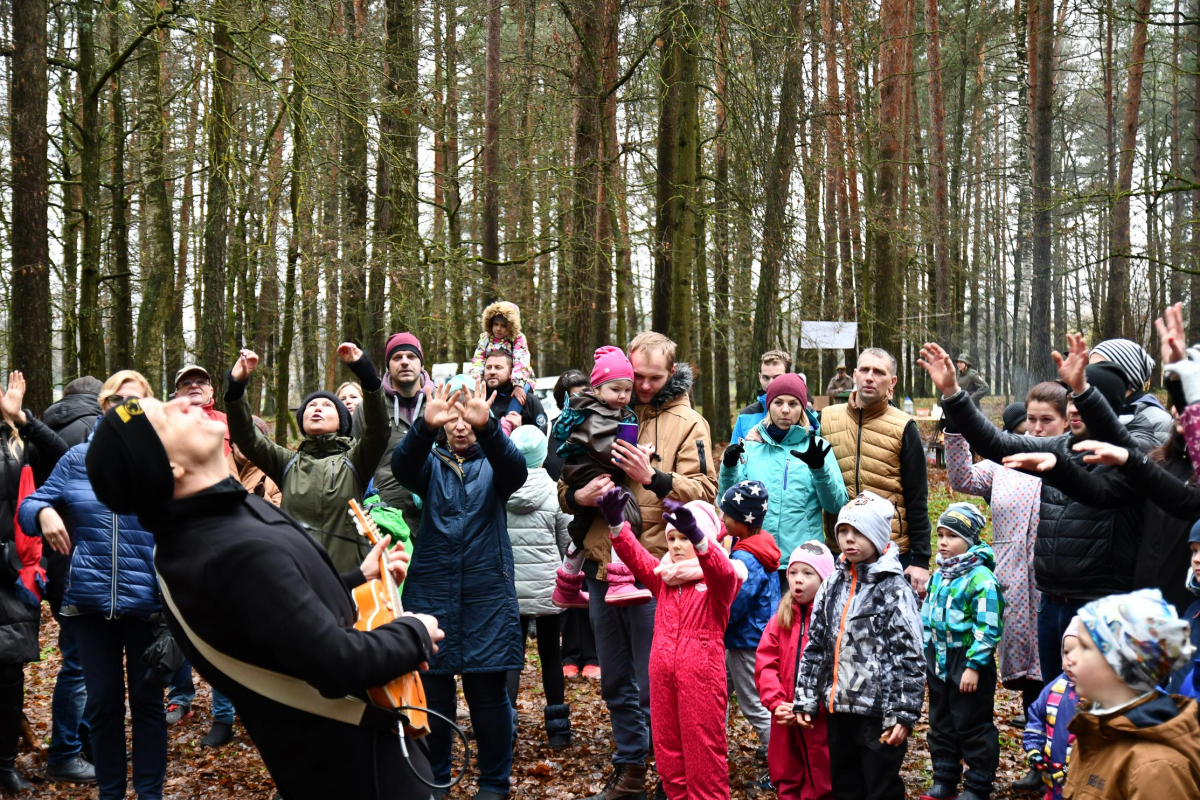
[673,458]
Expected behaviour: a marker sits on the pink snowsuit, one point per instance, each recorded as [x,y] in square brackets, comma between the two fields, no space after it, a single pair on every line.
[688,694]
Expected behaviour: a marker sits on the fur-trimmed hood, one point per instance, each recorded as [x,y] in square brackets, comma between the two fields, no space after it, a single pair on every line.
[504,309]
[679,384]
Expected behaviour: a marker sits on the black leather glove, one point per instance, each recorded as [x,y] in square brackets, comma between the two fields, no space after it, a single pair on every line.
[814,456]
[732,454]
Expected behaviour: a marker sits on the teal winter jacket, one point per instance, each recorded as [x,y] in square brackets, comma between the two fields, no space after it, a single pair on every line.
[963,608]
[796,494]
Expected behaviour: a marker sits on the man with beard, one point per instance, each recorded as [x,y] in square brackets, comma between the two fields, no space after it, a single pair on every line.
[497,374]
[405,389]
[255,600]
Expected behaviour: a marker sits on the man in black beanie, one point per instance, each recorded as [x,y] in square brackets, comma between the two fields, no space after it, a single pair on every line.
[252,586]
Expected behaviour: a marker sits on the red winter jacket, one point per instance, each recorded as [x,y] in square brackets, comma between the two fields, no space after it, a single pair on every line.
[691,611]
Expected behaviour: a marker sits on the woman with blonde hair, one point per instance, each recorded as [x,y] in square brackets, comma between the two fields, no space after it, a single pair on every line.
[111,603]
[22,439]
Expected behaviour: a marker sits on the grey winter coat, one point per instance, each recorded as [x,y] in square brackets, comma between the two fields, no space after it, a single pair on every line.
[537,528]
[880,668]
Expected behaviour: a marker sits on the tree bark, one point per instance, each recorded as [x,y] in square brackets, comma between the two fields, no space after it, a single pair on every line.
[30,288]
[937,172]
[491,155]
[720,418]
[354,173]
[888,277]
[121,353]
[1042,31]
[91,337]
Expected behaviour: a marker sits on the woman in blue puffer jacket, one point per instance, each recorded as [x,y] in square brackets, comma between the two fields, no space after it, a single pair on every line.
[798,468]
[111,594]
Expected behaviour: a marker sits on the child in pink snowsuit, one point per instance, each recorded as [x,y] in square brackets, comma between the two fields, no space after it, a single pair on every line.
[695,584]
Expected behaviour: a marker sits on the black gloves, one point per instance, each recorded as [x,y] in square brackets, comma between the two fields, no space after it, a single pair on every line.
[814,456]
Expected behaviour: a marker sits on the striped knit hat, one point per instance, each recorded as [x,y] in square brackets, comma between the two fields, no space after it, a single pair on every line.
[1131,357]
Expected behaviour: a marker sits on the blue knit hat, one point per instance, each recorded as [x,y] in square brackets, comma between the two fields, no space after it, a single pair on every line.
[746,502]
[1194,537]
[963,519]
[531,444]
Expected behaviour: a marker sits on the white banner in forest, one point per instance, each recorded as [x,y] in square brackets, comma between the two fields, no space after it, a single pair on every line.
[828,335]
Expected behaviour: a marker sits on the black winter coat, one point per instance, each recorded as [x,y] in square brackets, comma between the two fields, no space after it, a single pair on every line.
[1082,552]
[18,621]
[257,587]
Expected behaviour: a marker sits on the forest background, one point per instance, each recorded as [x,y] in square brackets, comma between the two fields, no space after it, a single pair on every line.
[182,178]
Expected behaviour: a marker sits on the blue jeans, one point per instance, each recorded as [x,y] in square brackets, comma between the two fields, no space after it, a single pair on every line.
[222,707]
[182,689]
[106,645]
[623,639]
[68,728]
[491,717]
[1052,620]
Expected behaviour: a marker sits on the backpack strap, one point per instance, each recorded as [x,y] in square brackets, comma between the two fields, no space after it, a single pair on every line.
[354,472]
[285,689]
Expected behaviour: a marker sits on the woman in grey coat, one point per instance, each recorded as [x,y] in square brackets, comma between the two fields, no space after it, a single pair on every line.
[537,528]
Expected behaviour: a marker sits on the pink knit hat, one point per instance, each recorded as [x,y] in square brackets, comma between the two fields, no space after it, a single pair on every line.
[707,518]
[816,555]
[788,383]
[611,365]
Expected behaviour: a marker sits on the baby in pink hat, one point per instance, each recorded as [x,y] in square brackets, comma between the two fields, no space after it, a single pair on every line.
[586,431]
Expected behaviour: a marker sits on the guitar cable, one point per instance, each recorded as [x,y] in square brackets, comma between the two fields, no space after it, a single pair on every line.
[404,750]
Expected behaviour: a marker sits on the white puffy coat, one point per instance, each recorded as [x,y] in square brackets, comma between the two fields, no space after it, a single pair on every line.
[537,528]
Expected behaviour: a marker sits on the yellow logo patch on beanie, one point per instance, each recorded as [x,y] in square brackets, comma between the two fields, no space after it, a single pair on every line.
[129,409]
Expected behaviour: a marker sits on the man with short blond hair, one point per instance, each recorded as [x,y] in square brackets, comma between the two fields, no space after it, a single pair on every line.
[673,458]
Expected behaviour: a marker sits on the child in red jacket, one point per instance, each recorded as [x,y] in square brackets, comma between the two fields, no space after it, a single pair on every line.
[694,583]
[798,760]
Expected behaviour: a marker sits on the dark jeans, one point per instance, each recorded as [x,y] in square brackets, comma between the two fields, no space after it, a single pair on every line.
[961,727]
[12,700]
[182,686]
[491,717]
[68,727]
[1029,688]
[1052,620]
[623,639]
[548,653]
[861,766]
[578,640]
[107,646]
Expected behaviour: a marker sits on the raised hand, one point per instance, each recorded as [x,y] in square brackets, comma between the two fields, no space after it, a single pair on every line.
[1187,372]
[1171,336]
[612,505]
[681,518]
[349,352]
[814,456]
[442,407]
[10,402]
[1073,368]
[942,372]
[1102,453]
[1031,462]
[477,410]
[245,365]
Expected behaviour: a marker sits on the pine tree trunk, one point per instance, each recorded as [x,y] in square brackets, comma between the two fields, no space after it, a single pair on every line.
[30,287]
[937,172]
[683,236]
[91,336]
[887,280]
[1040,365]
[719,420]
[491,155]
[121,354]
[354,214]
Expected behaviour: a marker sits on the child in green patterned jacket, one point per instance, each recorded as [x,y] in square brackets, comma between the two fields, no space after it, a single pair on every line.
[962,617]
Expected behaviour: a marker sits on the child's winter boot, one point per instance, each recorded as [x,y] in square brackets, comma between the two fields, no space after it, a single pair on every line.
[568,589]
[941,791]
[622,589]
[558,726]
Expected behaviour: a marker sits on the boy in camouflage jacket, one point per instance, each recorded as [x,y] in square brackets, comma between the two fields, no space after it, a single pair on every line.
[863,658]
[961,618]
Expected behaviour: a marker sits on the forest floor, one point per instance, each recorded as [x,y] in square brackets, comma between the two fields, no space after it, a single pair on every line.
[235,771]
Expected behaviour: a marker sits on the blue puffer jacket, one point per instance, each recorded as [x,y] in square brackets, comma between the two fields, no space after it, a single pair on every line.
[755,604]
[462,564]
[112,559]
[796,493]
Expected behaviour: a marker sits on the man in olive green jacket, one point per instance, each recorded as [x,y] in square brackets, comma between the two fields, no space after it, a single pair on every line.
[330,468]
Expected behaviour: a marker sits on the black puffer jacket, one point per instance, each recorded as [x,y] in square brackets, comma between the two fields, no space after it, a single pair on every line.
[18,621]
[1082,552]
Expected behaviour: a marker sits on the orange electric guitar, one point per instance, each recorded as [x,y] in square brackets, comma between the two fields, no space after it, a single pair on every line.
[378,603]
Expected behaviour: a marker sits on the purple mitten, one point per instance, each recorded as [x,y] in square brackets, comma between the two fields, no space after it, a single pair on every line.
[612,506]
[681,518]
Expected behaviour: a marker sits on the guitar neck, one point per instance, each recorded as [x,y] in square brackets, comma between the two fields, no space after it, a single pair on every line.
[367,527]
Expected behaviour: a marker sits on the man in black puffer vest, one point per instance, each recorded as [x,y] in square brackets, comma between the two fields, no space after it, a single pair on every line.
[255,587]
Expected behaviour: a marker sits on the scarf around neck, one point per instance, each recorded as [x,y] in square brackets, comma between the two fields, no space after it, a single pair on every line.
[955,566]
[762,546]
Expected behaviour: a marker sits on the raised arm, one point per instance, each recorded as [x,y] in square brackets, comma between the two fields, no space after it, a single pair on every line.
[638,559]
[369,448]
[265,454]
[964,475]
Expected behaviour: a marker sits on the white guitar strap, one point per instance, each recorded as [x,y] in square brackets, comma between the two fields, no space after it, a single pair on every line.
[283,689]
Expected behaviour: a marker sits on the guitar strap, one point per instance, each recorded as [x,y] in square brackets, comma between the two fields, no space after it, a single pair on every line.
[285,689]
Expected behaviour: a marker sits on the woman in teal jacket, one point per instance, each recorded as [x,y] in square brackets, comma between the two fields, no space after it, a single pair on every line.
[798,467]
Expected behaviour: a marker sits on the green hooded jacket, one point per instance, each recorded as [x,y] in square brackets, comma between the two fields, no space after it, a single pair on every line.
[318,481]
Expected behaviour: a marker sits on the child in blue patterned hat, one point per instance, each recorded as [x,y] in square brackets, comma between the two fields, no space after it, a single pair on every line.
[961,618]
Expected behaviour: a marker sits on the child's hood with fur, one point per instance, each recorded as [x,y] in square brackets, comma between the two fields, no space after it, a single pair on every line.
[510,312]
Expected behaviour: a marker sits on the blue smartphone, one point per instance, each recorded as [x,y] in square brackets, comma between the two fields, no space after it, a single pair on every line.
[627,432]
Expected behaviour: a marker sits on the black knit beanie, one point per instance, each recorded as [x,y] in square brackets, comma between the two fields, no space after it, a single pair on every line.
[1013,415]
[1109,380]
[127,464]
[343,413]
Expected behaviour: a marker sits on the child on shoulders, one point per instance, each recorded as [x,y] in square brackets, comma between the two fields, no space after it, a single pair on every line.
[502,330]
[797,759]
[863,659]
[744,507]
[962,617]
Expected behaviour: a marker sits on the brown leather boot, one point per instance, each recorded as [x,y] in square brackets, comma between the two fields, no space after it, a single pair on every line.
[627,782]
